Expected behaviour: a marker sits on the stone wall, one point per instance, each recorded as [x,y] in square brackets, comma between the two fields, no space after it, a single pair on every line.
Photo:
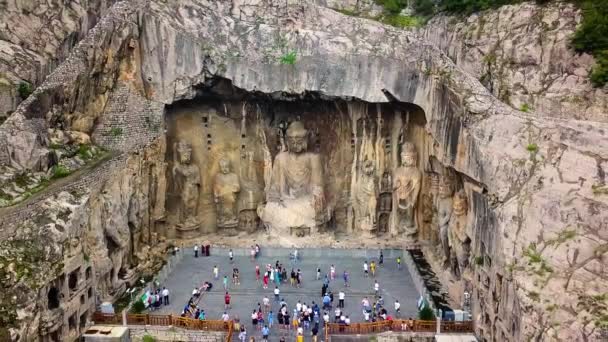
[162,334]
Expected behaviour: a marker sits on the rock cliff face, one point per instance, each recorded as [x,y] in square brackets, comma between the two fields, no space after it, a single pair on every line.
[521,196]
[521,54]
[35,37]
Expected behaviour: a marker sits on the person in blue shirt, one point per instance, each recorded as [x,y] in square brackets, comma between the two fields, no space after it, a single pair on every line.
[265,332]
[326,301]
[201,316]
[270,319]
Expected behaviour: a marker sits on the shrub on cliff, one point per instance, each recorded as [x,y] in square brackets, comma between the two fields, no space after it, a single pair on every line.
[592,37]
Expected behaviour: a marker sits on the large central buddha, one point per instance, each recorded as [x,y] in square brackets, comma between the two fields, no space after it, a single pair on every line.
[295,198]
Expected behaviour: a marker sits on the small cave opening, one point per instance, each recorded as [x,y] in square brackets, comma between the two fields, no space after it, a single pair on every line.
[53,298]
[83,320]
[73,279]
[88,273]
[72,322]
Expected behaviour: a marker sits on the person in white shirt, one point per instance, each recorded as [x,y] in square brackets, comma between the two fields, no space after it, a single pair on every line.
[195,293]
[266,303]
[366,316]
[326,317]
[276,293]
[196,251]
[365,269]
[341,296]
[165,294]
[397,307]
[231,255]
[347,320]
[304,307]
[376,287]
[338,313]
[225,317]
[299,306]
[216,272]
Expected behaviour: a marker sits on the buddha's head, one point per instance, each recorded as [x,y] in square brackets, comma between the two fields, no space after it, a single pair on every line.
[224,166]
[184,152]
[460,204]
[368,167]
[408,154]
[446,186]
[296,137]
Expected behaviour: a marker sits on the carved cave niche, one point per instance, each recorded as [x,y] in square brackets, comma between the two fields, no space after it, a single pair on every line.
[247,129]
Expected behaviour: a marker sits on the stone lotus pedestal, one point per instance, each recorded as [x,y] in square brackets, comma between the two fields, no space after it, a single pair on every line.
[187,230]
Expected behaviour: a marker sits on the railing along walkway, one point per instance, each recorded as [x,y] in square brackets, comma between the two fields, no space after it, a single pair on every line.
[397,326]
[167,320]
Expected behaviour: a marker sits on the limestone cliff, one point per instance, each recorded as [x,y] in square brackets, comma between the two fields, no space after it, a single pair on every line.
[521,53]
[534,181]
[35,37]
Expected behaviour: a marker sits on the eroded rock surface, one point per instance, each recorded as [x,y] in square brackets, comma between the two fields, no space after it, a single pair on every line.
[534,182]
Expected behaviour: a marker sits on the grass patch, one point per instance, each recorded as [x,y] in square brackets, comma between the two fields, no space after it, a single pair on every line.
[115,131]
[24,90]
[148,338]
[599,189]
[525,108]
[59,171]
[533,256]
[532,147]
[401,21]
[289,58]
[479,260]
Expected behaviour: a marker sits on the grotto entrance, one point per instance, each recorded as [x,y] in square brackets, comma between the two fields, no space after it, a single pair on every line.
[295,166]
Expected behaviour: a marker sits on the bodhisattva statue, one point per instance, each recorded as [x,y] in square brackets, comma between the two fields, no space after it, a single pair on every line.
[365,200]
[406,186]
[225,190]
[458,238]
[187,180]
[295,197]
[444,213]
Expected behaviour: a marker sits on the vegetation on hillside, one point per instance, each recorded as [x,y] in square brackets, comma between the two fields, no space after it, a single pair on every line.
[590,37]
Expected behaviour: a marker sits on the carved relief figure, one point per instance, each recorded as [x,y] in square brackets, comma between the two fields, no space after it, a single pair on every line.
[444,213]
[187,180]
[365,199]
[295,196]
[386,199]
[406,186]
[458,238]
[225,190]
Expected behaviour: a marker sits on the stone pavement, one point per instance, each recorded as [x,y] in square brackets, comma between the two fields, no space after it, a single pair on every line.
[395,284]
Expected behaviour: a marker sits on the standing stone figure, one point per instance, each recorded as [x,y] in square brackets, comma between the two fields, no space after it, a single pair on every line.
[225,190]
[365,199]
[458,238]
[187,180]
[406,186]
[295,197]
[444,213]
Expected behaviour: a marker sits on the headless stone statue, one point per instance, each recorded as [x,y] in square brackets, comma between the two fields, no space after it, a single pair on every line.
[295,197]
[225,190]
[458,238]
[444,213]
[187,180]
[365,200]
[406,186]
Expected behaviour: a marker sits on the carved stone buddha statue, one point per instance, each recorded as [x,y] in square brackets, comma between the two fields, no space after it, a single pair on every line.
[187,180]
[365,200]
[295,197]
[406,186]
[225,190]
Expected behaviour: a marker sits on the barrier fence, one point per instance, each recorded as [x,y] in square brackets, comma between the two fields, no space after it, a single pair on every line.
[166,320]
[397,326]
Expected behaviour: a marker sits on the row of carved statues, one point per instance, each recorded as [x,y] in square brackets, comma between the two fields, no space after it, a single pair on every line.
[295,201]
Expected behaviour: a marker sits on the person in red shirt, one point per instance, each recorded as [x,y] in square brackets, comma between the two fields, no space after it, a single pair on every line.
[227,300]
[266,280]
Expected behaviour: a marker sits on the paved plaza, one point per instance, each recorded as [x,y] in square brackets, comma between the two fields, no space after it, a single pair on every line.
[191,272]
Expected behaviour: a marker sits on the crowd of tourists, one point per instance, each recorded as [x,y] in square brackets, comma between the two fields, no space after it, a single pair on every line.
[303,317]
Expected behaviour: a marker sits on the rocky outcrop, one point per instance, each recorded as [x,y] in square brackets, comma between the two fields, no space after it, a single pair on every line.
[534,182]
[521,53]
[36,36]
